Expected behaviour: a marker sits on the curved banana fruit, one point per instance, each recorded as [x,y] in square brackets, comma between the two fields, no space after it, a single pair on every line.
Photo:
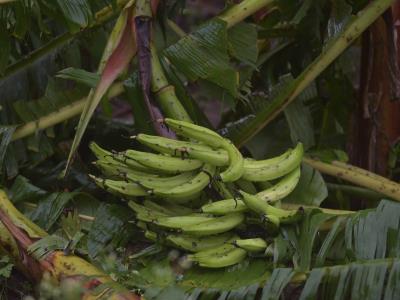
[189,189]
[196,244]
[105,155]
[145,214]
[201,152]
[218,259]
[273,214]
[224,207]
[112,167]
[236,162]
[251,245]
[120,187]
[163,163]
[215,225]
[283,188]
[181,222]
[269,169]
[160,182]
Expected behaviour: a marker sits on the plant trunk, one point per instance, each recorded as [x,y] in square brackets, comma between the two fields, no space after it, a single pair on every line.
[375,127]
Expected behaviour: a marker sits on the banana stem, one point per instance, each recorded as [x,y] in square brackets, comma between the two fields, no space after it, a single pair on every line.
[164,92]
[63,114]
[241,11]
[357,176]
[101,17]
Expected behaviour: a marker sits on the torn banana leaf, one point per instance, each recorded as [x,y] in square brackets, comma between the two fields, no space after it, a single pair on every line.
[17,234]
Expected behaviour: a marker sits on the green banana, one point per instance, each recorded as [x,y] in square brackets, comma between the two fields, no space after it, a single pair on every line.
[273,214]
[112,167]
[196,244]
[219,258]
[224,207]
[105,155]
[215,225]
[189,189]
[160,182]
[201,152]
[251,245]
[163,163]
[269,169]
[235,169]
[181,222]
[145,214]
[283,188]
[120,187]
[236,162]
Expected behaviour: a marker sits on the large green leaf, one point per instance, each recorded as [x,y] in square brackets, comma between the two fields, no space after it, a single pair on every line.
[311,189]
[77,12]
[110,220]
[204,54]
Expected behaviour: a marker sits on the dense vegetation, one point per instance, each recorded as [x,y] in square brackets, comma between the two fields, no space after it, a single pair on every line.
[268,75]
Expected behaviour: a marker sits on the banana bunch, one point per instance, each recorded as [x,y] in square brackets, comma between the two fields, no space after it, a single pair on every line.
[168,191]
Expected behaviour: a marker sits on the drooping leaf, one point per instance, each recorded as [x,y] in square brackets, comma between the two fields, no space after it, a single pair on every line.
[78,75]
[22,190]
[77,13]
[6,134]
[109,221]
[243,40]
[277,282]
[311,189]
[374,234]
[6,267]
[46,245]
[204,54]
[300,120]
[50,208]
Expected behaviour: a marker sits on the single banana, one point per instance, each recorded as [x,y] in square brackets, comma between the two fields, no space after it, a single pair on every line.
[236,162]
[181,222]
[215,225]
[105,155]
[201,152]
[269,169]
[189,189]
[217,250]
[283,188]
[163,163]
[173,209]
[216,259]
[224,207]
[196,244]
[112,167]
[145,214]
[273,214]
[251,245]
[120,187]
[160,182]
